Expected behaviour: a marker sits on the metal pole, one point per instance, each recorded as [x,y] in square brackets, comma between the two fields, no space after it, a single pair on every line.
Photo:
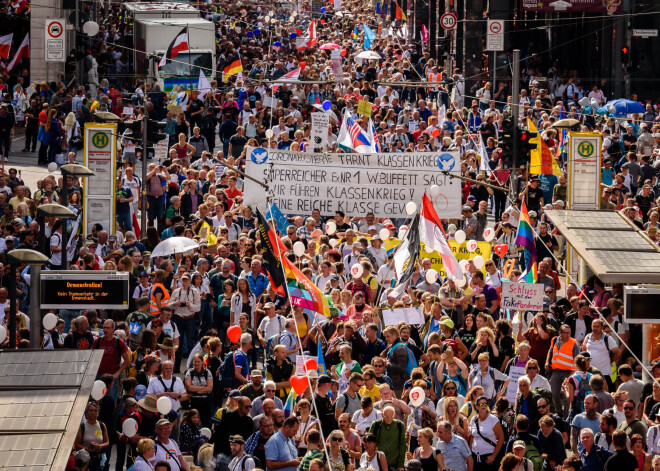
[12,306]
[243,174]
[463,71]
[65,227]
[466,179]
[515,110]
[143,192]
[35,311]
[494,74]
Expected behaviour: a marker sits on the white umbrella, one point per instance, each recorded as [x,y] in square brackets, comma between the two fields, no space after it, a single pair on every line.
[173,245]
[330,112]
[368,55]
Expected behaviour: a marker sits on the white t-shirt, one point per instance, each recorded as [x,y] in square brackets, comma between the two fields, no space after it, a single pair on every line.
[580,330]
[167,452]
[269,327]
[600,356]
[133,185]
[169,328]
[237,464]
[363,423]
[156,387]
[56,241]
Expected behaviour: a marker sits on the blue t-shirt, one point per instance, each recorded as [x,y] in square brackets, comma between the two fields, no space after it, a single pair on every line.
[548,183]
[581,421]
[241,359]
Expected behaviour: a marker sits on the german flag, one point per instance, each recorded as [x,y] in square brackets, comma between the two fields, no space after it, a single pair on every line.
[400,15]
[233,68]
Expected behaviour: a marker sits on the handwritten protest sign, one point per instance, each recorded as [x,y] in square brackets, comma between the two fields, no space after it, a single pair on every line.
[522,296]
[409,315]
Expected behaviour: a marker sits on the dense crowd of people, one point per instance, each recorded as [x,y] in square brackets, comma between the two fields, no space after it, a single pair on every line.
[554,390]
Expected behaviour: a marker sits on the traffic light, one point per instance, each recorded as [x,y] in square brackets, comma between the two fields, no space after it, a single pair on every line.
[508,131]
[136,131]
[154,135]
[625,55]
[525,145]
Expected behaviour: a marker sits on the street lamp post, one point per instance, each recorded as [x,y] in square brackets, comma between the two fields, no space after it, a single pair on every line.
[73,170]
[43,211]
[15,258]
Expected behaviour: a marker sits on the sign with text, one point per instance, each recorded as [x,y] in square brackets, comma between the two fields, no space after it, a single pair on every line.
[584,159]
[55,41]
[364,108]
[319,133]
[84,290]
[522,296]
[567,6]
[495,35]
[409,315]
[353,183]
[460,252]
[100,157]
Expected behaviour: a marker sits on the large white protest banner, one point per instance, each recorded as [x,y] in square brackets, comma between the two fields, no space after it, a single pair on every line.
[409,315]
[523,296]
[319,133]
[353,183]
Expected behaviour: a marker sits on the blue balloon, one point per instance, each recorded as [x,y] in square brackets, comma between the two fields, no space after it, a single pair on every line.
[327,105]
[323,10]
[601,111]
[587,110]
[249,34]
[257,32]
[277,44]
[293,35]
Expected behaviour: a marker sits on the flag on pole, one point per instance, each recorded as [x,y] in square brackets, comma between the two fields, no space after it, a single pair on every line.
[483,153]
[288,77]
[353,137]
[134,222]
[271,250]
[278,218]
[373,137]
[405,257]
[23,51]
[425,34]
[320,360]
[303,292]
[234,67]
[5,45]
[178,45]
[309,40]
[203,84]
[541,160]
[525,238]
[399,14]
[432,236]
[369,36]
[290,403]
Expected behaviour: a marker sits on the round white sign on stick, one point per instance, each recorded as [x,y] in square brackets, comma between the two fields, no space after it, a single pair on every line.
[431,276]
[205,432]
[471,245]
[463,264]
[357,270]
[330,227]
[489,234]
[333,243]
[435,191]
[417,396]
[3,333]
[411,207]
[269,133]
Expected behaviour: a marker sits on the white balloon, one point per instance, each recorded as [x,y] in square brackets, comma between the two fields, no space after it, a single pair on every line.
[205,432]
[357,270]
[402,232]
[435,191]
[3,333]
[584,101]
[260,24]
[50,321]
[431,276]
[52,167]
[238,30]
[489,234]
[299,249]
[291,19]
[478,262]
[384,234]
[611,109]
[594,103]
[330,227]
[98,390]
[471,245]
[164,405]
[463,264]
[333,243]
[411,207]
[460,236]
[130,426]
[460,282]
[417,396]
[269,133]
[91,28]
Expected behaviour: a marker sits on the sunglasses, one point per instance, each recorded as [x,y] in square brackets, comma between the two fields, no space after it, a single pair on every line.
[628,408]
[337,439]
[532,367]
[492,265]
[450,388]
[482,404]
[247,407]
[541,405]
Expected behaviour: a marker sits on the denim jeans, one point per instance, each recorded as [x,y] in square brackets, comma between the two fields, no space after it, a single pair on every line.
[155,209]
[68,315]
[205,317]
[124,221]
[187,334]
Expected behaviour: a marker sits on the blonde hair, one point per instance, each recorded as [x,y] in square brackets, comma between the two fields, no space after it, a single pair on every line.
[145,445]
[488,330]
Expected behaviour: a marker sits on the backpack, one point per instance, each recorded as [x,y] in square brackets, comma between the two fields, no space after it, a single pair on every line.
[379,426]
[545,394]
[583,389]
[412,362]
[137,360]
[614,150]
[227,371]
[428,420]
[532,454]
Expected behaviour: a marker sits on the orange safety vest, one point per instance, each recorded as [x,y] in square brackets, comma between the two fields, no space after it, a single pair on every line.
[438,78]
[562,358]
[163,302]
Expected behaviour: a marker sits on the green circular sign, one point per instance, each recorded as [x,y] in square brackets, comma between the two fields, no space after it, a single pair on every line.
[585,149]
[100,140]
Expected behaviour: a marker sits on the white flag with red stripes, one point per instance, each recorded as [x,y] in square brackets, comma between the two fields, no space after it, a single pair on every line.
[180,44]
[23,51]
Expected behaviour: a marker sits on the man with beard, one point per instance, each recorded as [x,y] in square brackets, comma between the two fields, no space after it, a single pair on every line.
[255,444]
[590,419]
[254,388]
[359,306]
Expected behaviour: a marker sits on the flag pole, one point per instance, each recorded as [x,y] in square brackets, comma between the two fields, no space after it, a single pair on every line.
[189,63]
[302,350]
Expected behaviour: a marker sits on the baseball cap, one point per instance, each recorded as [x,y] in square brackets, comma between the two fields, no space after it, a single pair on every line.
[82,456]
[471,198]
[448,322]
[533,214]
[414,465]
[268,305]
[256,373]
[357,245]
[560,203]
[451,228]
[324,379]
[236,439]
[144,273]
[140,392]
[334,277]
[162,422]
[467,208]
[519,444]
[235,394]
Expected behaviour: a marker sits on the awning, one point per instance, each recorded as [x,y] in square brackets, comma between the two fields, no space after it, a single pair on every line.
[613,247]
[43,395]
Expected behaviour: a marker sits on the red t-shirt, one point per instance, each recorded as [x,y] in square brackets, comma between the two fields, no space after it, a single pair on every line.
[111,357]
[43,117]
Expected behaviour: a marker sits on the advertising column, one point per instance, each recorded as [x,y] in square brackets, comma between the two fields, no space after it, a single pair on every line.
[100,158]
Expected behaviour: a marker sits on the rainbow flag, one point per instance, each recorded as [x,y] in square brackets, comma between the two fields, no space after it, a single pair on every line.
[303,292]
[525,237]
[320,360]
[562,136]
[399,14]
[290,403]
[541,160]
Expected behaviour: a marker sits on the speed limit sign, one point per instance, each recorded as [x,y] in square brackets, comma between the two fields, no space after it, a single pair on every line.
[448,21]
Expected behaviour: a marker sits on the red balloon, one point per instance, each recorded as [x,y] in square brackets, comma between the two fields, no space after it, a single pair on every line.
[234,333]
[322,22]
[501,250]
[302,64]
[343,53]
[310,365]
[299,383]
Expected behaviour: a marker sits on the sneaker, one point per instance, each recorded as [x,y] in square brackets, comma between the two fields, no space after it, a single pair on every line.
[25,150]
